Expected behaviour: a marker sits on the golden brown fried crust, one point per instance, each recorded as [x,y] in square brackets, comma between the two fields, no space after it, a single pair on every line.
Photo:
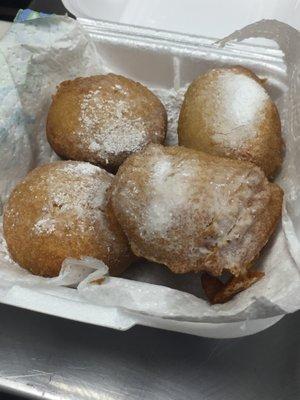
[192,211]
[58,211]
[218,292]
[211,286]
[104,118]
[202,112]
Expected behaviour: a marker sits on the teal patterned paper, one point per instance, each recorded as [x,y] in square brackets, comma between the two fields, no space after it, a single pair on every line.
[27,14]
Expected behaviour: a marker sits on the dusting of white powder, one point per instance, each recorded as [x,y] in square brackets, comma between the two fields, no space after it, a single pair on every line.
[44,225]
[170,192]
[119,87]
[238,101]
[82,199]
[117,131]
[81,169]
[183,197]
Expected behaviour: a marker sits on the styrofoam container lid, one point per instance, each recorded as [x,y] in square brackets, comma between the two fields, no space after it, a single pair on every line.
[210,18]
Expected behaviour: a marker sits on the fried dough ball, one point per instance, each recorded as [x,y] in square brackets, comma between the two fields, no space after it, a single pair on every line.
[58,211]
[227,112]
[193,211]
[103,119]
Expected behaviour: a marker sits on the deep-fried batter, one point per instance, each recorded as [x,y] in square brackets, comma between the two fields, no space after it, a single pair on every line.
[103,119]
[228,112]
[192,211]
[58,211]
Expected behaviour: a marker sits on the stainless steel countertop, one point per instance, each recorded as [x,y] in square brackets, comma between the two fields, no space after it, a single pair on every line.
[50,358]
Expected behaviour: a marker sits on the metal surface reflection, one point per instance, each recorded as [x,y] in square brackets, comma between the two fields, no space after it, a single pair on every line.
[51,358]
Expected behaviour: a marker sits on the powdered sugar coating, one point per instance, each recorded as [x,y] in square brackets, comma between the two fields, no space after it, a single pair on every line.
[77,192]
[103,119]
[59,211]
[72,193]
[44,225]
[81,169]
[192,211]
[228,112]
[116,132]
[238,101]
[169,194]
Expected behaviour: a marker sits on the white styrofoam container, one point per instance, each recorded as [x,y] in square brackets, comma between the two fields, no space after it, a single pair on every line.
[209,18]
[160,60]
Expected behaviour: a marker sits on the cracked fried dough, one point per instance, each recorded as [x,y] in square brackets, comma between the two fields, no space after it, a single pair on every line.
[193,211]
